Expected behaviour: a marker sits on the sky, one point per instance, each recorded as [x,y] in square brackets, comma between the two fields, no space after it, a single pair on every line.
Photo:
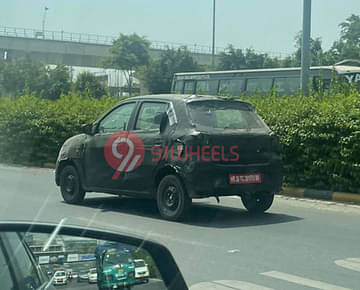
[264,25]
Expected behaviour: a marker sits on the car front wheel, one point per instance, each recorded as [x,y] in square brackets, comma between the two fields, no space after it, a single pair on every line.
[258,203]
[172,199]
[70,185]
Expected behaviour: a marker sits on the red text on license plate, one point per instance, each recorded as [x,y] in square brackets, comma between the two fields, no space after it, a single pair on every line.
[244,178]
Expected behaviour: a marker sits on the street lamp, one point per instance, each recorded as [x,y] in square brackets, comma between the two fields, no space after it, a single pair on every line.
[305,48]
[43,21]
[213,39]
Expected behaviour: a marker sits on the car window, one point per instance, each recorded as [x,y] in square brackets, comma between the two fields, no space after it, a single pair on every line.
[5,275]
[223,115]
[116,258]
[258,85]
[57,274]
[26,268]
[287,86]
[117,120]
[231,87]
[178,87]
[206,87]
[150,116]
[189,87]
[139,264]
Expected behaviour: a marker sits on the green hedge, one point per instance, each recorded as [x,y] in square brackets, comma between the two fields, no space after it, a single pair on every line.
[32,130]
[320,136]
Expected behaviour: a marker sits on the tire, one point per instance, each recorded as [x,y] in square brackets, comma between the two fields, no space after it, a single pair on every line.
[258,203]
[172,199]
[70,185]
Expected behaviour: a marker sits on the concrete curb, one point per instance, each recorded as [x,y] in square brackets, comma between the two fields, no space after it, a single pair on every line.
[49,165]
[321,194]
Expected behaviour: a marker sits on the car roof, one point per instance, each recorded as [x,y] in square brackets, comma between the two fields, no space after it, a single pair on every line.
[184,98]
[139,260]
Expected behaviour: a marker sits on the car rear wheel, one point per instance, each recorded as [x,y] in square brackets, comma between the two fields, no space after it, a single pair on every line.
[258,203]
[70,185]
[172,199]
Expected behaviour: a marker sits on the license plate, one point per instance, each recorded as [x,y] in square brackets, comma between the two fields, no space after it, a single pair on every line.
[244,178]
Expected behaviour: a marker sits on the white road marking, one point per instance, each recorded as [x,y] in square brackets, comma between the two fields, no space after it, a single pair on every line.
[303,281]
[349,263]
[227,285]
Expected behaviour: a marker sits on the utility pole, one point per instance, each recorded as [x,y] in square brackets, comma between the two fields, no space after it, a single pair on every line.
[305,49]
[43,21]
[213,39]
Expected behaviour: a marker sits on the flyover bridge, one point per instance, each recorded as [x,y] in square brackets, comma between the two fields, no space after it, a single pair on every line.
[75,49]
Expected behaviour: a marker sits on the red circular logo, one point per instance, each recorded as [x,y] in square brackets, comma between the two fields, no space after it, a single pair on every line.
[124,151]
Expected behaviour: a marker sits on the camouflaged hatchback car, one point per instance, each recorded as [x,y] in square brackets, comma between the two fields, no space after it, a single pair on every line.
[174,148]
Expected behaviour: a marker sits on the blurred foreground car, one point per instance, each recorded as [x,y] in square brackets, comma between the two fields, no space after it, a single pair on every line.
[83,276]
[92,276]
[141,271]
[60,278]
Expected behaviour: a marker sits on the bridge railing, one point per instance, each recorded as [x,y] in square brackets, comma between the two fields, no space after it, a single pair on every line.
[94,39]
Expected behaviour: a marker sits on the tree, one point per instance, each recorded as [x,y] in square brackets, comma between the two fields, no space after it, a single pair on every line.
[317,55]
[87,84]
[26,76]
[350,31]
[129,53]
[158,75]
[234,58]
[348,46]
[17,78]
[59,82]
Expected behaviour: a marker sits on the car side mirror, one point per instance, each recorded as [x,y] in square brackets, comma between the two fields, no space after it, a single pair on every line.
[104,248]
[87,129]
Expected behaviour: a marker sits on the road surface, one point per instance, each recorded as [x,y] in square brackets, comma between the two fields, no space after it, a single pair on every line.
[298,244]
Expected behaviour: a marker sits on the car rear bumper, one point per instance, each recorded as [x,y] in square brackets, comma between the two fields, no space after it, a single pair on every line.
[59,282]
[142,279]
[212,179]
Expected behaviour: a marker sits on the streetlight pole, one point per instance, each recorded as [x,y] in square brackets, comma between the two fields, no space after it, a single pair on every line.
[305,48]
[213,39]
[43,21]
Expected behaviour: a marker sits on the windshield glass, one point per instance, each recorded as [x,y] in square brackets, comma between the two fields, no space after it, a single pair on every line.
[139,264]
[57,274]
[226,130]
[115,258]
[223,115]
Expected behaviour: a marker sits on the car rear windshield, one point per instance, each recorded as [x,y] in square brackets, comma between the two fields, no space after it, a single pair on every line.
[224,115]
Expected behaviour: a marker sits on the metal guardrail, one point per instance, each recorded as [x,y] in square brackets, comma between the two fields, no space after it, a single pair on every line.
[94,38]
